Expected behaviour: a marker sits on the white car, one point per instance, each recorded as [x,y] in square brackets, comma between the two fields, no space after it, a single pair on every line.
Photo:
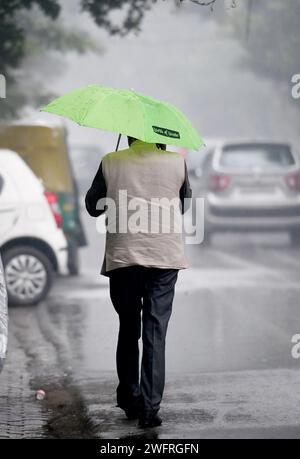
[3,317]
[32,243]
[254,186]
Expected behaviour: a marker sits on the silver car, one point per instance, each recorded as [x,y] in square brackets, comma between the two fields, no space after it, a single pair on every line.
[3,317]
[253,186]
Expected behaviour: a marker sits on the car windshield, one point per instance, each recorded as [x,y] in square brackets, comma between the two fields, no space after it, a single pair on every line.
[262,156]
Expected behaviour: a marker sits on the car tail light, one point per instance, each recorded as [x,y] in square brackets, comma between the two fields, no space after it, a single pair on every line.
[54,206]
[293,181]
[219,182]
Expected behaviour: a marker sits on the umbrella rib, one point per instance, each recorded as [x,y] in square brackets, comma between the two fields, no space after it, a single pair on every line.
[136,96]
[144,116]
[89,107]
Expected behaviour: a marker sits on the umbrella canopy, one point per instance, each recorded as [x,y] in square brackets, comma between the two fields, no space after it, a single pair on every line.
[128,113]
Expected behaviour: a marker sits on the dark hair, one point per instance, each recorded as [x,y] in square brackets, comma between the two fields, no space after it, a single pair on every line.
[131,140]
[160,146]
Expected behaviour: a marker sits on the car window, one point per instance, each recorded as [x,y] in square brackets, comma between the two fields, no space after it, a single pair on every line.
[263,156]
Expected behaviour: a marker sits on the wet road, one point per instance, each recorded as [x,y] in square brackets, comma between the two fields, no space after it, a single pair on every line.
[230,372]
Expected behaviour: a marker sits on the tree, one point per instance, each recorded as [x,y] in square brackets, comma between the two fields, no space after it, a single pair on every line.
[29,31]
[12,35]
[135,11]
[269,32]
[32,28]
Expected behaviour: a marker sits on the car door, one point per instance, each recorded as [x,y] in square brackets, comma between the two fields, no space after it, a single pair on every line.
[8,204]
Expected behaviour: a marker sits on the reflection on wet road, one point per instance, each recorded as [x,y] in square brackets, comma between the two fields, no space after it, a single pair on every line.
[230,371]
[229,342]
[235,309]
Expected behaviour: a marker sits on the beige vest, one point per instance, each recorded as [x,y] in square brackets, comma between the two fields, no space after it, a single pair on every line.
[144,229]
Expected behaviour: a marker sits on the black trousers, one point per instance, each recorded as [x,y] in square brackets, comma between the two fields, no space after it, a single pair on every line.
[137,290]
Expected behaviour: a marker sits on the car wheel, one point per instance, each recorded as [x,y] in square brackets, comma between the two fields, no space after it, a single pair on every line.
[295,238]
[28,274]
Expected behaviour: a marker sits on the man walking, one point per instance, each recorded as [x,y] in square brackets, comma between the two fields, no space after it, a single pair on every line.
[142,262]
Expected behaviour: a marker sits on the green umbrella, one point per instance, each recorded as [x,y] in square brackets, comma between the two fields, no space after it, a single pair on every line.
[128,113]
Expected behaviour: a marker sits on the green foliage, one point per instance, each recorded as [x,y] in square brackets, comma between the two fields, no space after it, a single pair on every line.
[12,36]
[31,28]
[134,13]
[29,31]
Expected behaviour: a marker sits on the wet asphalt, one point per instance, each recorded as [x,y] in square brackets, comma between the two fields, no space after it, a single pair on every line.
[230,370]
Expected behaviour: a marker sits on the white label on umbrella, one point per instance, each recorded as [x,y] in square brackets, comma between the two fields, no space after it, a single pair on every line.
[166,132]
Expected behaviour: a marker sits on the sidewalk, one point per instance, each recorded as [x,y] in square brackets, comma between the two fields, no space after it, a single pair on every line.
[252,404]
[257,404]
[21,416]
[34,362]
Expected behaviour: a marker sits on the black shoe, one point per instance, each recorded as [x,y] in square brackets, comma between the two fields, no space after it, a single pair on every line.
[132,413]
[150,421]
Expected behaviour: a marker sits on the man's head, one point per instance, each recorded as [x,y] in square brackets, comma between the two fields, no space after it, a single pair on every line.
[131,140]
[160,146]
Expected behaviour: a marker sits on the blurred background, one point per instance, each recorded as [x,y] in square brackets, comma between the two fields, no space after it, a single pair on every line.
[229,67]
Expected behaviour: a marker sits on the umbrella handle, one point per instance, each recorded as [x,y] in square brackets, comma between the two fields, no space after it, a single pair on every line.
[119,140]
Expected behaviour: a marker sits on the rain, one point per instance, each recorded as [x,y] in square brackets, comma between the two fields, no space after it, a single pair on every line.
[232,350]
